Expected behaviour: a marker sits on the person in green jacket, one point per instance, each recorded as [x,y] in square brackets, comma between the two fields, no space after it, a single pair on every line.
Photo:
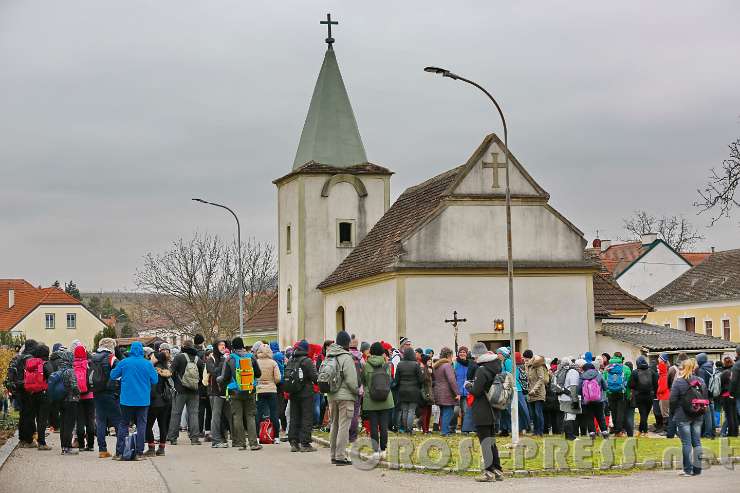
[618,398]
[378,411]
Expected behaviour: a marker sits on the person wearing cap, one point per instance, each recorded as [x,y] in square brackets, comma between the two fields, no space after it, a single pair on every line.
[342,402]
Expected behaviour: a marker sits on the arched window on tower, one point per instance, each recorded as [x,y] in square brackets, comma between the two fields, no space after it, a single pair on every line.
[340,318]
[289,299]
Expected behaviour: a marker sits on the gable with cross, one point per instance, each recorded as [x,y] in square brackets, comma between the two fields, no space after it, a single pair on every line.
[495,165]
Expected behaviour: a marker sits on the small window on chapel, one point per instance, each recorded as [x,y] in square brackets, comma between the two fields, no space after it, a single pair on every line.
[287,239]
[289,299]
[345,234]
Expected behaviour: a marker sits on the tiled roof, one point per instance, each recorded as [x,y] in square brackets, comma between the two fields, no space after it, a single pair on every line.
[27,298]
[617,258]
[145,341]
[715,279]
[658,338]
[695,258]
[313,167]
[610,298]
[381,247]
[264,318]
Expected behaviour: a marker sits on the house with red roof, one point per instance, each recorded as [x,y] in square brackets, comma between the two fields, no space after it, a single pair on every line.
[45,314]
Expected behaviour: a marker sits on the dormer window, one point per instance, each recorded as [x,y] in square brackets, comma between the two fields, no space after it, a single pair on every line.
[345,233]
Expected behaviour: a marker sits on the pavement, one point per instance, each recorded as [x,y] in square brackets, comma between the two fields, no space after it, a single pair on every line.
[188,468]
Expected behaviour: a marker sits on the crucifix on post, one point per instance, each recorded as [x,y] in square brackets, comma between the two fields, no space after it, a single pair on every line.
[495,166]
[454,321]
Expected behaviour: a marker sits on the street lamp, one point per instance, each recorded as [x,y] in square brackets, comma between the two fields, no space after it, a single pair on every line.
[509,262]
[239,254]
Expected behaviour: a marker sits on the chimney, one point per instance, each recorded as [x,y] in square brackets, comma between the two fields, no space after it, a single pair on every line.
[712,249]
[11,298]
[605,244]
[649,238]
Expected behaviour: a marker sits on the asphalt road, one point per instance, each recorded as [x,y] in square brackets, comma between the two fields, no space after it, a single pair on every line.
[188,468]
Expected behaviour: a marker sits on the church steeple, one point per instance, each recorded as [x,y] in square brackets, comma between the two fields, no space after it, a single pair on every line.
[330,135]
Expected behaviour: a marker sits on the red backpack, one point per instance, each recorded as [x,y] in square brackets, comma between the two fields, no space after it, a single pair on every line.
[267,432]
[80,366]
[33,376]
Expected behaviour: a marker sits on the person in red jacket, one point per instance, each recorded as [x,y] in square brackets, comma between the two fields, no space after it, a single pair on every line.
[664,391]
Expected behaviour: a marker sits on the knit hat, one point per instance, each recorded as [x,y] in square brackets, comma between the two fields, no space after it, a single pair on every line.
[479,349]
[161,358]
[504,351]
[580,362]
[376,349]
[147,351]
[302,345]
[74,344]
[199,339]
[256,346]
[663,357]
[353,342]
[445,352]
[187,344]
[57,347]
[237,343]
[165,347]
[107,343]
[80,352]
[528,354]
[701,358]
[386,346]
[403,340]
[588,366]
[343,339]
[463,348]
[429,351]
[365,346]
[589,356]
[518,358]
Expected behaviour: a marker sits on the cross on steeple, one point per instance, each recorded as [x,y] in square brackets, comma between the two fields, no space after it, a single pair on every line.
[329,22]
[495,166]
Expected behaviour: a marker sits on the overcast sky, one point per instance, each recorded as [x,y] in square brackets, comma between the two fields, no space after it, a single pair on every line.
[114,114]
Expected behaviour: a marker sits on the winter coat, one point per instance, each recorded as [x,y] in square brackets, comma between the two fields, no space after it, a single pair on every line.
[735,380]
[214,367]
[270,372]
[55,360]
[706,368]
[165,375]
[409,378]
[137,377]
[66,362]
[373,364]
[488,366]
[279,357]
[461,375]
[180,362]
[591,374]
[538,378]
[678,390]
[309,375]
[228,374]
[350,386]
[445,384]
[643,394]
[664,392]
[81,361]
[569,401]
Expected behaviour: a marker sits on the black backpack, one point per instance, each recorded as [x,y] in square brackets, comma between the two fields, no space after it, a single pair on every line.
[645,381]
[293,378]
[11,377]
[98,375]
[695,402]
[380,384]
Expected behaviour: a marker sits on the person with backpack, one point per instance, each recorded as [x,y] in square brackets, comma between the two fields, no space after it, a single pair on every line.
[689,403]
[643,384]
[378,399]
[726,400]
[35,402]
[538,378]
[338,379]
[187,371]
[408,381]
[281,403]
[300,377]
[86,404]
[240,375]
[522,390]
[617,379]
[267,390]
[446,395]
[105,390]
[553,416]
[160,403]
[568,379]
[69,396]
[705,370]
[592,392]
[15,380]
[484,416]
[216,394]
[55,407]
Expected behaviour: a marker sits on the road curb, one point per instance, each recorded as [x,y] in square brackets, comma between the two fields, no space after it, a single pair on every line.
[8,448]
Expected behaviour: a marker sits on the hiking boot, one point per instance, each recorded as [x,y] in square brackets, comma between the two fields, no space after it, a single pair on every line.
[70,451]
[498,475]
[308,448]
[294,448]
[276,441]
[159,452]
[173,442]
[150,452]
[254,448]
[27,445]
[208,439]
[486,477]
[104,455]
[342,462]
[605,435]
[116,457]
[43,446]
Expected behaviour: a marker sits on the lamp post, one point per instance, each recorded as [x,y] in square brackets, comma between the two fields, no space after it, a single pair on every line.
[509,262]
[239,256]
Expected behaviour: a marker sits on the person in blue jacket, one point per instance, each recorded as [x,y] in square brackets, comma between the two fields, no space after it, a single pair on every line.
[137,377]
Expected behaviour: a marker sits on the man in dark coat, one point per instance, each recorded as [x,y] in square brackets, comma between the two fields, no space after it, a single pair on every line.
[301,402]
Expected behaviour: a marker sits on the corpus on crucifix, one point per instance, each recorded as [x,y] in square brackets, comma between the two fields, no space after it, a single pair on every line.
[454,321]
[494,165]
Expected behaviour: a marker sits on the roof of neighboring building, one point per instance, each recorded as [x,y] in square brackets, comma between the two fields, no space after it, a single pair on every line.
[619,257]
[610,298]
[658,338]
[265,318]
[27,298]
[145,341]
[717,278]
[695,258]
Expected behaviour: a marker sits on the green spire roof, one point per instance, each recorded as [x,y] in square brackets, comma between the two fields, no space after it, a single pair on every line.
[330,135]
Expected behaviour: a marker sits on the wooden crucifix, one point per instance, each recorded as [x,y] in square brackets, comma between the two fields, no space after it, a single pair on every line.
[495,166]
[454,321]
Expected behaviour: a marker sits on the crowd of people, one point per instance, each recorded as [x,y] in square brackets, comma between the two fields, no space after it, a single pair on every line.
[261,394]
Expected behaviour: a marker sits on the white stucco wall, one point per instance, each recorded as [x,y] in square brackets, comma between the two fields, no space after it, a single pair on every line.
[552,311]
[478,233]
[369,311]
[652,272]
[33,326]
[480,180]
[288,262]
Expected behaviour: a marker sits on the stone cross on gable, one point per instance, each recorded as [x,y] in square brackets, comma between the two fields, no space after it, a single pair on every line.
[495,165]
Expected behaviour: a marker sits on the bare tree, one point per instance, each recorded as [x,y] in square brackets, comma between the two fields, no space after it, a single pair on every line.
[679,233]
[719,192]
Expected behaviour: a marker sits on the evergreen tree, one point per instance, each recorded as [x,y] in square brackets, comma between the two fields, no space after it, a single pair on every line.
[71,289]
[94,305]
[56,285]
[108,308]
[106,332]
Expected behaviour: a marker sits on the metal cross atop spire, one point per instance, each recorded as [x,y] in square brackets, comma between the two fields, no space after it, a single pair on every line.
[329,23]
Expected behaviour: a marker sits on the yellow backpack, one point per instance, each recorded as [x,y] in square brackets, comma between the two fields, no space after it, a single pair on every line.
[243,380]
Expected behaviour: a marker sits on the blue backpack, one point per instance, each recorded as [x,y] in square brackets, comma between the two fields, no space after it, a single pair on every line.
[615,379]
[56,391]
